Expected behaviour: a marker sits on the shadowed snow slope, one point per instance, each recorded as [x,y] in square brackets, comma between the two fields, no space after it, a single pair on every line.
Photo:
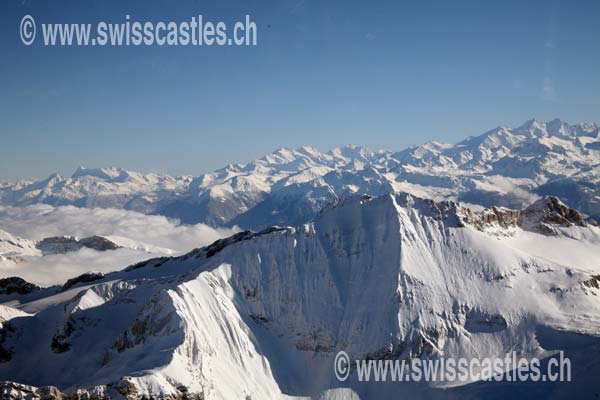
[263,314]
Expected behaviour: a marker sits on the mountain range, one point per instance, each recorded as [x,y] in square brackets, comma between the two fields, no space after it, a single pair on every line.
[262,315]
[504,167]
[478,249]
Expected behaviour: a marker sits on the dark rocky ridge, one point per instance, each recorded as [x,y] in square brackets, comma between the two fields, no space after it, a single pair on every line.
[16,285]
[65,244]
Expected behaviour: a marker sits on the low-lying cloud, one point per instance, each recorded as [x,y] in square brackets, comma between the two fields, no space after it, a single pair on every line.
[157,234]
[56,269]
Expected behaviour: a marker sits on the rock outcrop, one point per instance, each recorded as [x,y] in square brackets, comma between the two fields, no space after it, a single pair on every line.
[16,285]
[65,244]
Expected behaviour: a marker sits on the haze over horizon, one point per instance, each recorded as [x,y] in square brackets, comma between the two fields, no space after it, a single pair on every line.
[385,76]
[75,169]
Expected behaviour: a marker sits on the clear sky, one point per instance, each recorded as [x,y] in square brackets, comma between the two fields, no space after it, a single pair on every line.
[384,74]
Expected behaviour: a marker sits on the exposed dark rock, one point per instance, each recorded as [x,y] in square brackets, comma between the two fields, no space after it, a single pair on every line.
[84,278]
[127,389]
[541,216]
[154,262]
[552,211]
[17,391]
[5,354]
[124,387]
[481,321]
[502,216]
[59,344]
[219,245]
[16,285]
[581,194]
[98,243]
[65,244]
[261,319]
[593,282]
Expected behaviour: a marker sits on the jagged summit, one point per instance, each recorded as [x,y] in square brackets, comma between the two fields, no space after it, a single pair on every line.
[435,251]
[509,167]
[539,217]
[378,277]
[549,211]
[102,173]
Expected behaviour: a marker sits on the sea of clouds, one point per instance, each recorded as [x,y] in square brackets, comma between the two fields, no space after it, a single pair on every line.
[150,235]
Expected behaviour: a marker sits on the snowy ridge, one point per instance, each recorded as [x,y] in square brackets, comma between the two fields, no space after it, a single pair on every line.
[509,167]
[14,248]
[263,314]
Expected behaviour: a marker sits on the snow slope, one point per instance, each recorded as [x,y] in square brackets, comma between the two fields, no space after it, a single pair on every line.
[262,315]
[14,248]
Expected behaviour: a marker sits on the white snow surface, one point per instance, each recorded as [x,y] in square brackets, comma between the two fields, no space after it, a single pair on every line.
[263,315]
[504,166]
[138,235]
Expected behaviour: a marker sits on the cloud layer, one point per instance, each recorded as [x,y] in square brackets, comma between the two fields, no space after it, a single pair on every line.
[159,234]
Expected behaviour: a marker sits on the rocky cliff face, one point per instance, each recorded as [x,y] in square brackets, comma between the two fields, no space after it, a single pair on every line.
[549,211]
[543,216]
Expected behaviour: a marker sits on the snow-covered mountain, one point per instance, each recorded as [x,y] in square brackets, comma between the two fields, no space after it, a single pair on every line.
[54,259]
[13,248]
[377,258]
[504,167]
[262,315]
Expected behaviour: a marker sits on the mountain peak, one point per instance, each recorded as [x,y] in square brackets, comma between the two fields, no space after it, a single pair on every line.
[351,151]
[398,266]
[308,150]
[102,173]
[550,211]
[533,127]
[532,123]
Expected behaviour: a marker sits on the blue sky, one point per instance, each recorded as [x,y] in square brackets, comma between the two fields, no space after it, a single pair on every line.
[384,74]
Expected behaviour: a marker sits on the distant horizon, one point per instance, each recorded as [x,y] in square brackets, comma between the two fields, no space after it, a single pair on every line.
[320,73]
[68,174]
[288,198]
